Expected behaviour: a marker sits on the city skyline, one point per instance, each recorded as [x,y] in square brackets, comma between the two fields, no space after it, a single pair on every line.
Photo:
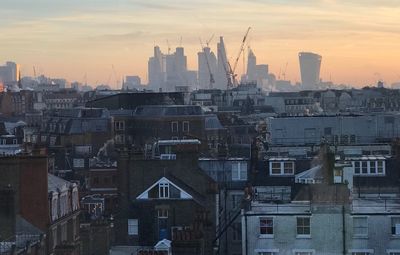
[62,40]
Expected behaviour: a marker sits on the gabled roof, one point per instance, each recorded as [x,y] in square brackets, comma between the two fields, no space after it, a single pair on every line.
[145,194]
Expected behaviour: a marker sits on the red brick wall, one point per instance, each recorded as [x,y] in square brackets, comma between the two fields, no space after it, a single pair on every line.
[34,205]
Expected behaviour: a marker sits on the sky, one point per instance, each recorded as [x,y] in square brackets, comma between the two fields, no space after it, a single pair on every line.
[359,40]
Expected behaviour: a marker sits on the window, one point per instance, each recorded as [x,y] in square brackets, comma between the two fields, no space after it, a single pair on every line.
[163,190]
[288,168]
[119,125]
[395,226]
[303,226]
[185,126]
[266,226]
[361,253]
[267,253]
[237,231]
[352,139]
[364,167]
[357,167]
[391,252]
[236,200]
[162,213]
[275,168]
[54,235]
[360,226]
[239,171]
[133,227]
[281,168]
[174,126]
[303,253]
[372,167]
[380,167]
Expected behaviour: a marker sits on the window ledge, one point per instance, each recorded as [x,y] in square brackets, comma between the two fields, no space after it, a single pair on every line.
[266,236]
[303,236]
[360,237]
[395,237]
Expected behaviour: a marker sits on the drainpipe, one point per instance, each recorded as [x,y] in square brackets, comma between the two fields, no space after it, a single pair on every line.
[344,230]
[245,235]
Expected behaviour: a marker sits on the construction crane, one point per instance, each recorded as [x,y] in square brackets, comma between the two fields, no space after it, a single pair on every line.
[212,81]
[209,40]
[284,72]
[115,75]
[232,75]
[34,72]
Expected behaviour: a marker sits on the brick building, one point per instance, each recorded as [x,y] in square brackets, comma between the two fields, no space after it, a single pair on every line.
[167,199]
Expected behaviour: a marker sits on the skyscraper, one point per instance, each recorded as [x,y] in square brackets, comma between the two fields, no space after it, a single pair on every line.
[204,69]
[176,69]
[251,67]
[310,65]
[221,80]
[156,69]
[9,72]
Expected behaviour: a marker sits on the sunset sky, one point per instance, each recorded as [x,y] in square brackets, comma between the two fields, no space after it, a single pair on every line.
[359,40]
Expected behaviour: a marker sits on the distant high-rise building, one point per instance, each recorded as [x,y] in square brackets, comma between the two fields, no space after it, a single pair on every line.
[9,72]
[132,82]
[251,66]
[156,69]
[221,80]
[310,65]
[176,69]
[204,69]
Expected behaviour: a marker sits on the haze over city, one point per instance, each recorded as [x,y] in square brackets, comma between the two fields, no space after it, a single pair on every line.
[73,39]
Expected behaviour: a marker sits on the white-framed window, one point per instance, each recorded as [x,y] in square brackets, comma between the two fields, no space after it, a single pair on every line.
[162,213]
[266,251]
[119,125]
[362,252]
[185,126]
[303,252]
[239,171]
[266,226]
[174,126]
[133,226]
[369,167]
[281,168]
[395,226]
[393,252]
[163,190]
[360,226]
[303,226]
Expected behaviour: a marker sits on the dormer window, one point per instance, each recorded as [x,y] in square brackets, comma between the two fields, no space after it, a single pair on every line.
[281,167]
[164,189]
[369,166]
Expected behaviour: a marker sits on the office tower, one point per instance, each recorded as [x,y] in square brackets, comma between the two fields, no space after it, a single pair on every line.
[204,69]
[9,72]
[175,69]
[132,82]
[156,69]
[221,80]
[251,67]
[310,64]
